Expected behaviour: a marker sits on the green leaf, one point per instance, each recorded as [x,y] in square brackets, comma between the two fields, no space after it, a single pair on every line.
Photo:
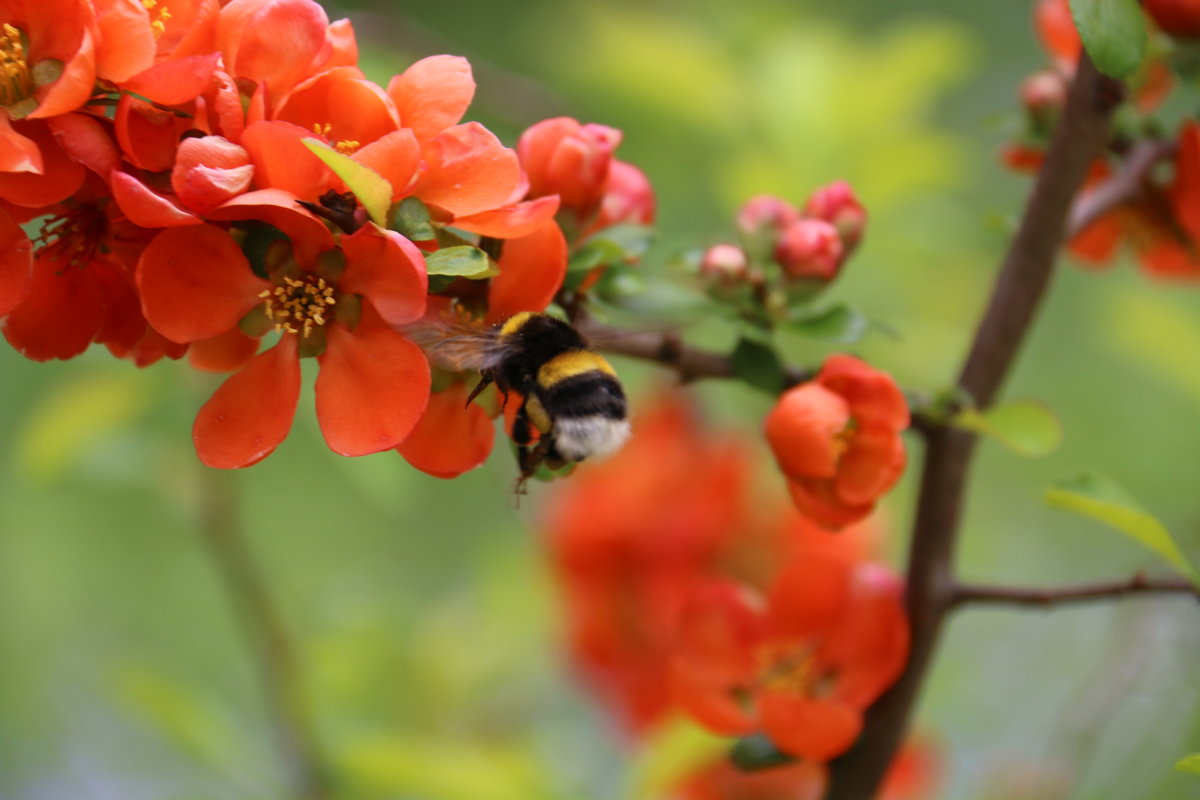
[837,323]
[755,752]
[1189,764]
[372,189]
[1026,427]
[1103,499]
[758,364]
[1114,34]
[411,217]
[615,245]
[463,261]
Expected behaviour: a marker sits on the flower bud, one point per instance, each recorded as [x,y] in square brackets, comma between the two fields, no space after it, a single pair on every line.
[1044,92]
[724,265]
[563,157]
[628,199]
[1177,17]
[837,205]
[765,214]
[810,249]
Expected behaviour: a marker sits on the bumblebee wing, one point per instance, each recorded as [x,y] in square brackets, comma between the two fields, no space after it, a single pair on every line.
[457,348]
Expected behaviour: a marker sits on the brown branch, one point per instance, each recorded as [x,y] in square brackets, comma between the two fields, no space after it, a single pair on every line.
[1126,185]
[667,348]
[1020,285]
[266,634]
[974,594]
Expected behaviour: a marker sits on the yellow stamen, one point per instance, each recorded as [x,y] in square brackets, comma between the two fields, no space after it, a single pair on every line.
[16,84]
[346,146]
[322,130]
[298,305]
[158,20]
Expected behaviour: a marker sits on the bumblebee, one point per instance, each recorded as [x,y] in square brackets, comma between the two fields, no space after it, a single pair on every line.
[573,406]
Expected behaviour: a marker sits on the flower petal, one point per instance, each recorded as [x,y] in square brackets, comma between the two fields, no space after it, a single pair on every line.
[388,270]
[802,429]
[16,264]
[816,730]
[59,316]
[146,208]
[60,177]
[277,207]
[196,283]
[224,352]
[85,140]
[433,94]
[372,389]
[810,595]
[252,411]
[469,170]
[176,81]
[532,269]
[452,437]
[511,222]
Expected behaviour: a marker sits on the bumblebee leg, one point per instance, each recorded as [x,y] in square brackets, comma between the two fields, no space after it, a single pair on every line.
[530,458]
[485,380]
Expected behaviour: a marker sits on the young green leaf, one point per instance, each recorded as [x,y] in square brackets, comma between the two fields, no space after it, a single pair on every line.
[758,365]
[463,261]
[837,323]
[1104,500]
[1113,32]
[1026,427]
[410,217]
[1189,764]
[372,189]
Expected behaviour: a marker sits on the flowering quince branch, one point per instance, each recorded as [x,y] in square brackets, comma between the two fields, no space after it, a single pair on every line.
[972,594]
[1021,283]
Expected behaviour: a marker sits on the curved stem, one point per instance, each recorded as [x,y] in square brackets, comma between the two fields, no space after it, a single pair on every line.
[265,633]
[975,594]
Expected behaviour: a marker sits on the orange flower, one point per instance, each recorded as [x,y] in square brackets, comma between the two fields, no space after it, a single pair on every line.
[832,637]
[373,384]
[837,440]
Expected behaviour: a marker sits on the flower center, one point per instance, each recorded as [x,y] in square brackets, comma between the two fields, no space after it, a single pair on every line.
[16,83]
[343,146]
[158,19]
[298,305]
[72,239]
[793,669]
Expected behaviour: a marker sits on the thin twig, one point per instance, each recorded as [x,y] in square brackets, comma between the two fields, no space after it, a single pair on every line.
[1020,285]
[667,348]
[265,633]
[1126,185]
[975,594]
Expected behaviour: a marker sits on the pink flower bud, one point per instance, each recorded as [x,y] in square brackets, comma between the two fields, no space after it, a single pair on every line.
[724,264]
[837,205]
[563,157]
[765,215]
[1044,92]
[810,249]
[628,198]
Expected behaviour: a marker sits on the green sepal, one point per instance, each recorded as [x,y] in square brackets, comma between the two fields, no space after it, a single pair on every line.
[757,752]
[256,244]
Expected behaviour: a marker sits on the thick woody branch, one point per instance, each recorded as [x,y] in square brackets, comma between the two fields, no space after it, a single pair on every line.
[976,594]
[1020,286]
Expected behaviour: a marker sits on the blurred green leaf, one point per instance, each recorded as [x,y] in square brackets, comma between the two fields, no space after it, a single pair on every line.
[756,751]
[1103,499]
[421,766]
[837,323]
[676,750]
[75,414]
[463,261]
[758,364]
[1113,32]
[373,190]
[1189,764]
[259,238]
[185,719]
[1027,427]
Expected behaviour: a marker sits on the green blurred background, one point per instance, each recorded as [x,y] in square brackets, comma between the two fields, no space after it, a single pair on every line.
[424,616]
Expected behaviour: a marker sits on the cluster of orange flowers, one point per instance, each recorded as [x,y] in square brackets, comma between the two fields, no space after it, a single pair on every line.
[173,179]
[1160,222]
[686,591]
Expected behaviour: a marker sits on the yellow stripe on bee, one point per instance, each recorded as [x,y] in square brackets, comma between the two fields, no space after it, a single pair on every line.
[514,323]
[537,414]
[570,364]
